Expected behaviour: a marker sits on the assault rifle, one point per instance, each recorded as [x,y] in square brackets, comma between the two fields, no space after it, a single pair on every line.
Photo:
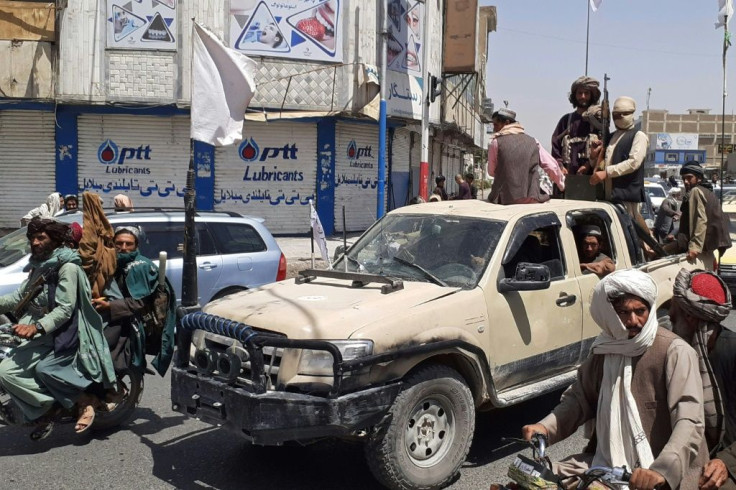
[605,122]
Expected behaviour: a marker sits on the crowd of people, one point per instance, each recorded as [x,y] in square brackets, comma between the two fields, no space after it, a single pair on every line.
[81,315]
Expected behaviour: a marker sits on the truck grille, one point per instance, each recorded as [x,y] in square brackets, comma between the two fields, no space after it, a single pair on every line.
[219,346]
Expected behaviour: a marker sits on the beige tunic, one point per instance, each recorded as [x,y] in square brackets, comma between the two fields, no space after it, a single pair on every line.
[678,444]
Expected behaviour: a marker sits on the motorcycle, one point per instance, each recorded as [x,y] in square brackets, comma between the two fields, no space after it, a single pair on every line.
[536,472]
[109,414]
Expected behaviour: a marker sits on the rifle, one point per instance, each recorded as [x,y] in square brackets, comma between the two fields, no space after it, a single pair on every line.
[33,291]
[605,122]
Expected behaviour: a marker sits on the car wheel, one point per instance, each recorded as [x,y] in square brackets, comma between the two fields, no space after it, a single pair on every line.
[426,435]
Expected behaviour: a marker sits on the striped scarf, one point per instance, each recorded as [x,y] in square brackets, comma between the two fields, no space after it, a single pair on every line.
[710,314]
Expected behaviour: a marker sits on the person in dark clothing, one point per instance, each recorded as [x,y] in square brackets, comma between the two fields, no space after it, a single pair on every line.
[571,139]
[469,178]
[701,301]
[440,190]
[591,257]
[519,164]
[463,189]
[703,226]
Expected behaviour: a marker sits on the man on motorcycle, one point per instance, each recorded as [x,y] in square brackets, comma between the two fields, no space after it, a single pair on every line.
[642,389]
[134,316]
[64,350]
[701,301]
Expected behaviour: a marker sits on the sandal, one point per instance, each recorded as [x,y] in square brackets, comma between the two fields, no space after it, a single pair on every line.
[42,431]
[86,418]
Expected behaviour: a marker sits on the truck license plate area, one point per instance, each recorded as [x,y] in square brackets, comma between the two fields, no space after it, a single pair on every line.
[207,407]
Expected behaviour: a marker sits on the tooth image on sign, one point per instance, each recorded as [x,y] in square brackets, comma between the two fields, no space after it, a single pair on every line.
[158,31]
[125,22]
[318,25]
[411,58]
[262,32]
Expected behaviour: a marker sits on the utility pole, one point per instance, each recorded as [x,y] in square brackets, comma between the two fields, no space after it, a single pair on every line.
[381,188]
[426,90]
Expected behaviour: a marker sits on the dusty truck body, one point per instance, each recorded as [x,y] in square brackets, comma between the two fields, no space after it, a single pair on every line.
[437,311]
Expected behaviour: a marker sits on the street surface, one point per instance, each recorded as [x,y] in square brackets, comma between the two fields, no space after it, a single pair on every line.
[161,449]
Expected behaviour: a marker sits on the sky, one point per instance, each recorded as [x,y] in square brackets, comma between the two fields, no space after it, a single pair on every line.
[670,46]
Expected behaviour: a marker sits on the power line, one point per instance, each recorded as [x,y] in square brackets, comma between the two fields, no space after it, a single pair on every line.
[615,46]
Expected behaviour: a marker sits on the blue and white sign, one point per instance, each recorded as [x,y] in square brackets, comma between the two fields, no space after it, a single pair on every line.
[139,24]
[307,30]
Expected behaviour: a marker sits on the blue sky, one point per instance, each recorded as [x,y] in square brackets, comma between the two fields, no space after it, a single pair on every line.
[671,46]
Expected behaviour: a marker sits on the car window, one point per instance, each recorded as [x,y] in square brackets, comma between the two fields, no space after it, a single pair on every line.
[655,191]
[236,238]
[541,246]
[13,247]
[169,238]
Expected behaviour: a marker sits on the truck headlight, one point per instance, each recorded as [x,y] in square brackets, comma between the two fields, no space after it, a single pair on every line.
[319,362]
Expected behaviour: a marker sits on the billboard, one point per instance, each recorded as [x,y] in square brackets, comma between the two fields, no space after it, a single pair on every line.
[461,23]
[141,25]
[404,58]
[307,30]
[676,141]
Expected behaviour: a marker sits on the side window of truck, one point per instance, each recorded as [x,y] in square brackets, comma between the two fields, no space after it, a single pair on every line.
[577,222]
[541,246]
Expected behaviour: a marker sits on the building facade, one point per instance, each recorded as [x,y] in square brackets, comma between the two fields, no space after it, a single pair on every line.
[675,139]
[98,93]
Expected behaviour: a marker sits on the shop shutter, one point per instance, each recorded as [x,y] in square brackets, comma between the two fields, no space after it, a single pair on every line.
[27,141]
[143,157]
[272,174]
[356,175]
[400,165]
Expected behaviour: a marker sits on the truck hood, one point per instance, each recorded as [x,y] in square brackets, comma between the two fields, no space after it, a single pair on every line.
[323,309]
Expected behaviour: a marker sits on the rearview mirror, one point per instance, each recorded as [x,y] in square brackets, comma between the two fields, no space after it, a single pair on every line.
[528,277]
[339,251]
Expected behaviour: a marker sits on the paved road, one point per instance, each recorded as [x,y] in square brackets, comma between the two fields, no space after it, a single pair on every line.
[161,449]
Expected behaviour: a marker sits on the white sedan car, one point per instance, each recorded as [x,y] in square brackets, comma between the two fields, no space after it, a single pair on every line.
[656,193]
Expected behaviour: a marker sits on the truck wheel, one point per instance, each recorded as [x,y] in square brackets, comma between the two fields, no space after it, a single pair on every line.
[426,435]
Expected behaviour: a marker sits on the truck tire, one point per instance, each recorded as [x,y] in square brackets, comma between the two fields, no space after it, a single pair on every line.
[426,435]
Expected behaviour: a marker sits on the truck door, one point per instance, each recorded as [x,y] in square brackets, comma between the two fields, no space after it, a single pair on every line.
[537,333]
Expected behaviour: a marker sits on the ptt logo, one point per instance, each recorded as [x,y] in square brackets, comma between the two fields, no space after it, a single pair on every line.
[249,151]
[109,153]
[354,152]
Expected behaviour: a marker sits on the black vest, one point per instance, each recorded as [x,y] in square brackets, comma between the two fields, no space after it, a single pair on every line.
[629,187]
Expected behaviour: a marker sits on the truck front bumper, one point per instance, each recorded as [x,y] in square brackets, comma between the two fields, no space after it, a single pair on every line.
[277,416]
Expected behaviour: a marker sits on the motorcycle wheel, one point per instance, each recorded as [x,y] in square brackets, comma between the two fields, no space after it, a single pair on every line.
[133,381]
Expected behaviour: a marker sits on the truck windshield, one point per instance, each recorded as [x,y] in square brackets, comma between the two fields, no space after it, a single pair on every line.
[13,247]
[445,250]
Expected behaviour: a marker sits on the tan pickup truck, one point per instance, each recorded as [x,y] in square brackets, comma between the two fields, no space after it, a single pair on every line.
[438,311]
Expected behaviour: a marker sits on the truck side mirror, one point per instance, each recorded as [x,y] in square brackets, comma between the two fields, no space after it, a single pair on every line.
[528,277]
[339,251]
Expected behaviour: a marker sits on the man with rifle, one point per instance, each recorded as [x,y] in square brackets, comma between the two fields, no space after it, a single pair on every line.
[63,350]
[621,167]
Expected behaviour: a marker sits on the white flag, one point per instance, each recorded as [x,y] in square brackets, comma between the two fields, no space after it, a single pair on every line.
[595,5]
[725,8]
[318,234]
[222,87]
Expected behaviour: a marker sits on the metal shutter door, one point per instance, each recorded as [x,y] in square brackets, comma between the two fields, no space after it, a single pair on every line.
[27,161]
[277,181]
[356,175]
[151,158]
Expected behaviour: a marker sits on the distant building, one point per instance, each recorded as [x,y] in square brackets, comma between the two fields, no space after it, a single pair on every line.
[675,139]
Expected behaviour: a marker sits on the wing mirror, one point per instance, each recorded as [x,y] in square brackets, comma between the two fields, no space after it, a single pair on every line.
[528,277]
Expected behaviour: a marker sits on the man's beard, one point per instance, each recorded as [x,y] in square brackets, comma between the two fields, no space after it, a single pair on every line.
[43,252]
[680,327]
[582,105]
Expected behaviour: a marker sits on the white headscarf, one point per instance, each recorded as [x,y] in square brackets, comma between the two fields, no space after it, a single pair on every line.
[621,438]
[624,104]
[49,209]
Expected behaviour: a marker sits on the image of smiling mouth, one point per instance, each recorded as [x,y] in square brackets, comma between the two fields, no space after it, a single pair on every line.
[411,59]
[326,16]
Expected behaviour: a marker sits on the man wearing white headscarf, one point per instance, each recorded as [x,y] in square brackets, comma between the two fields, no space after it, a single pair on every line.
[623,173]
[49,209]
[641,387]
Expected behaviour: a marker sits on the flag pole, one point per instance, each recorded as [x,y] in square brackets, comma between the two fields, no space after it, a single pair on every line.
[726,42]
[587,36]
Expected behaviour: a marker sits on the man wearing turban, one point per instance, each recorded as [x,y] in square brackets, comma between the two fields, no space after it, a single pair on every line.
[63,351]
[701,301]
[572,137]
[641,389]
[624,161]
[703,226]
